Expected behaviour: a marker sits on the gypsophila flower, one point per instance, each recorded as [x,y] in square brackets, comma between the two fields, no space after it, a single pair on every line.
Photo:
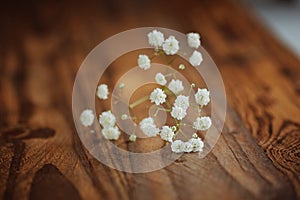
[181,67]
[102,91]
[121,85]
[148,127]
[111,133]
[193,40]
[124,116]
[196,58]
[202,123]
[174,128]
[187,147]
[171,46]
[178,112]
[158,96]
[87,117]
[155,38]
[182,101]
[160,79]
[176,86]
[177,146]
[107,119]
[148,120]
[144,62]
[132,138]
[166,133]
[197,144]
[202,97]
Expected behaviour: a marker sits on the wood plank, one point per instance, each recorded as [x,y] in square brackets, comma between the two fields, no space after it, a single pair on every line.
[41,156]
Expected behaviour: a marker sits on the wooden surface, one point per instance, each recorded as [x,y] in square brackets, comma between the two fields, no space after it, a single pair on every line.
[41,156]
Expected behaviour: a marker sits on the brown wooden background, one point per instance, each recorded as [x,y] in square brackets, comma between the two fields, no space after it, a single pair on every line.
[41,157]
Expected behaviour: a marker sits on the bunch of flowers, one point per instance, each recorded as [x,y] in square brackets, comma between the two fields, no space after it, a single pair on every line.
[175,88]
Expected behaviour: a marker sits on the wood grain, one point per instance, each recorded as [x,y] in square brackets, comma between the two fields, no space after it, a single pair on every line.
[41,156]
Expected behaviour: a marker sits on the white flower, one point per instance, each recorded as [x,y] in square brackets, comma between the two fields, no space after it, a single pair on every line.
[167,133]
[176,86]
[111,133]
[132,138]
[87,117]
[144,62]
[197,144]
[193,40]
[158,96]
[196,58]
[156,38]
[177,146]
[121,85]
[202,123]
[202,97]
[148,127]
[107,119]
[171,46]
[160,79]
[124,116]
[148,120]
[102,91]
[187,147]
[181,67]
[178,112]
[182,101]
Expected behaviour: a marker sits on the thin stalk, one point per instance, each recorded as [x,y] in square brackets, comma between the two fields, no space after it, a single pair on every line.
[138,102]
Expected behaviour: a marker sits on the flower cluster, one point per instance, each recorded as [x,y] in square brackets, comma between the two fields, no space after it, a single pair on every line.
[167,85]
[170,46]
[108,121]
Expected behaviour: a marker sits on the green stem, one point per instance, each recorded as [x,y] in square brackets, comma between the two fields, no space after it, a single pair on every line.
[138,102]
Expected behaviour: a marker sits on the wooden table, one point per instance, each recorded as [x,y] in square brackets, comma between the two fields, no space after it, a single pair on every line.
[41,156]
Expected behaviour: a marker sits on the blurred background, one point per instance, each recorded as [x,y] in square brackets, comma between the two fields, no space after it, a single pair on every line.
[282,17]
[253,43]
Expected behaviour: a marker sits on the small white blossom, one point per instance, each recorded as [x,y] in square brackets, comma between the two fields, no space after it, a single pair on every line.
[195,135]
[158,96]
[187,147]
[176,86]
[111,133]
[178,112]
[148,127]
[155,38]
[197,144]
[202,97]
[171,46]
[121,85]
[182,101]
[177,146]
[174,128]
[132,138]
[167,133]
[202,123]
[193,40]
[87,117]
[181,67]
[150,130]
[196,58]
[144,62]
[102,91]
[107,119]
[160,79]
[148,120]
[124,116]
